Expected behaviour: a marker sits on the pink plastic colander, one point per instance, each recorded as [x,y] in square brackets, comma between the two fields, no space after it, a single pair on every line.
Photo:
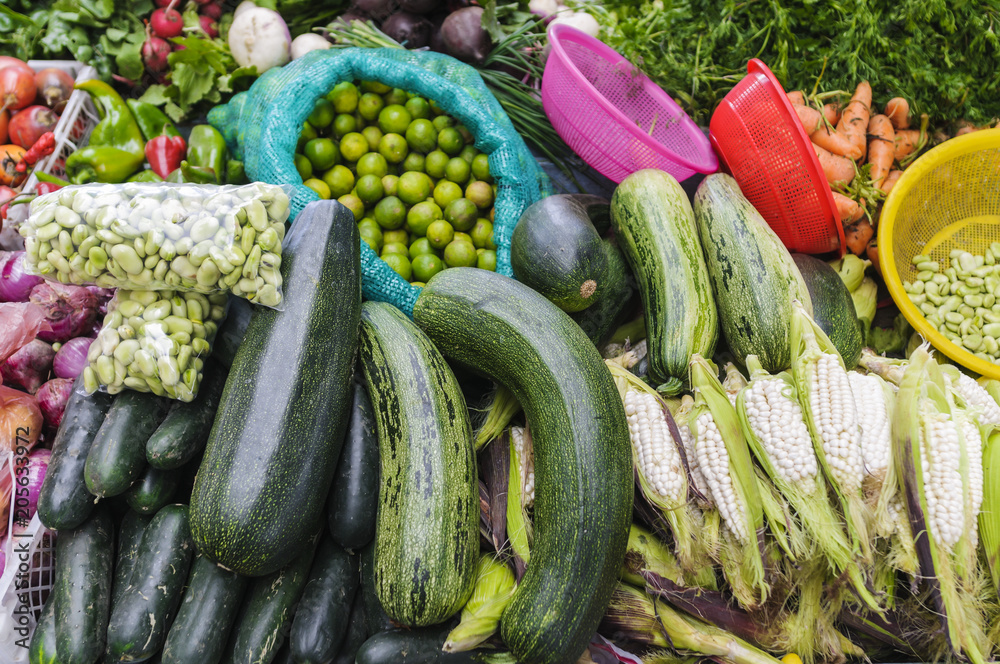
[613,116]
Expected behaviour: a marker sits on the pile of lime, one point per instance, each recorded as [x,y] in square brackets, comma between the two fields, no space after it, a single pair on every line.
[420,191]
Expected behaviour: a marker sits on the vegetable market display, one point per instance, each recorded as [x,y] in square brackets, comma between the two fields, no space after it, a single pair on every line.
[667,438]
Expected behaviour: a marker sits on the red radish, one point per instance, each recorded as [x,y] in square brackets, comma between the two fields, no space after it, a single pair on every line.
[9,61]
[155,52]
[212,9]
[167,22]
[29,124]
[163,3]
[203,2]
[17,88]
[54,86]
[209,25]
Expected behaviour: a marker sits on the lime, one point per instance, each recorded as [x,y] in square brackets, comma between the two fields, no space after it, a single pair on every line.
[457,170]
[482,234]
[462,237]
[421,284]
[435,164]
[414,162]
[340,180]
[395,248]
[468,153]
[319,187]
[370,233]
[467,136]
[344,124]
[421,246]
[399,235]
[389,183]
[344,97]
[322,114]
[442,121]
[307,134]
[375,87]
[487,260]
[372,163]
[369,106]
[396,96]
[394,119]
[354,204]
[373,135]
[321,153]
[393,147]
[481,168]
[435,109]
[421,135]
[352,146]
[440,233]
[303,166]
[445,192]
[480,193]
[461,213]
[426,266]
[369,189]
[399,263]
[390,213]
[419,108]
[459,253]
[421,216]
[450,141]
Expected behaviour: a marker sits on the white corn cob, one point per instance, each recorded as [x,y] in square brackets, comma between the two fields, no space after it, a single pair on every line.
[687,439]
[713,458]
[940,458]
[973,441]
[836,418]
[975,396]
[876,434]
[659,460]
[525,465]
[778,423]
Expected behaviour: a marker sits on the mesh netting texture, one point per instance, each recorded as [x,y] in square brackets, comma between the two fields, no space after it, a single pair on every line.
[262,127]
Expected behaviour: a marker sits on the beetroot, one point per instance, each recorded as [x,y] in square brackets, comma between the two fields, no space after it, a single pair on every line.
[410,30]
[166,22]
[209,26]
[418,6]
[52,398]
[29,367]
[54,87]
[69,310]
[464,37]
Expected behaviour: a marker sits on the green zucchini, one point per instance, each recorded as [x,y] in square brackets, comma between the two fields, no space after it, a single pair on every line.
[263,623]
[753,275]
[427,532]
[42,649]
[118,454]
[154,489]
[655,229]
[85,565]
[833,307]
[321,619]
[182,434]
[353,502]
[211,603]
[556,250]
[583,462]
[64,502]
[141,617]
[129,538]
[273,448]
[600,320]
[357,631]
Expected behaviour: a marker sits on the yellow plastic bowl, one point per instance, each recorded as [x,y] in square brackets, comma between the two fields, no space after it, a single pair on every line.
[947,199]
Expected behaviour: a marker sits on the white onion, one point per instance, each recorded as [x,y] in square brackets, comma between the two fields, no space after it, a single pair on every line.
[243,6]
[579,20]
[259,37]
[308,41]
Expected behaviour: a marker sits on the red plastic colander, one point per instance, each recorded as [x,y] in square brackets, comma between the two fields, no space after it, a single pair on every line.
[761,143]
[613,116]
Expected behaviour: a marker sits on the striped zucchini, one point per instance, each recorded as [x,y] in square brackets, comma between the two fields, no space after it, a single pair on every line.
[427,532]
[583,462]
[656,230]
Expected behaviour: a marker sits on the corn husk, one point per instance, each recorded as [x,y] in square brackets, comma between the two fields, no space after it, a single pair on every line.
[501,410]
[481,614]
[519,527]
[989,517]
[646,553]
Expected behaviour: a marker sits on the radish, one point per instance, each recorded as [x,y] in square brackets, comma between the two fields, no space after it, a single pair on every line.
[54,86]
[155,52]
[212,9]
[209,26]
[308,41]
[259,37]
[167,22]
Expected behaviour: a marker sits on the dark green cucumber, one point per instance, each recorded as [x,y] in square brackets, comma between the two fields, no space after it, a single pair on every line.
[273,448]
[141,618]
[583,462]
[357,631]
[321,619]
[42,649]
[833,307]
[556,250]
[64,502]
[129,538]
[230,335]
[210,606]
[427,531]
[182,434]
[85,566]
[600,320]
[118,455]
[376,619]
[153,490]
[412,647]
[353,503]
[271,600]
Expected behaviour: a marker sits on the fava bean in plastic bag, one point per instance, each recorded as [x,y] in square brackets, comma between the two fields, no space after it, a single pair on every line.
[154,341]
[161,236]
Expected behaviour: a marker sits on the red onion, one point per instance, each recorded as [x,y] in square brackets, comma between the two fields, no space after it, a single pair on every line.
[71,358]
[101,298]
[28,477]
[29,367]
[20,322]
[52,398]
[15,283]
[69,310]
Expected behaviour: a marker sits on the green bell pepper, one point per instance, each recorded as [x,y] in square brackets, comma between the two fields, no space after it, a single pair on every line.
[207,148]
[151,120]
[117,128]
[147,175]
[102,163]
[235,173]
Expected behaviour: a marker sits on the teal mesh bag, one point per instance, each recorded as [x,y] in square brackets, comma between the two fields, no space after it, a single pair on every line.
[262,127]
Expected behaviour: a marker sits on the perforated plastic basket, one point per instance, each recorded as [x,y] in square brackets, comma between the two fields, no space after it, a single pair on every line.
[613,116]
[761,143]
[947,199]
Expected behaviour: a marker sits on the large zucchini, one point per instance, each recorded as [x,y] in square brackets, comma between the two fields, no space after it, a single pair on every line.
[753,275]
[833,307]
[273,449]
[655,229]
[583,463]
[427,532]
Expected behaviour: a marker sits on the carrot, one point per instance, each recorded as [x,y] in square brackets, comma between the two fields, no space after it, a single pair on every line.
[881,148]
[890,181]
[797,97]
[854,119]
[838,170]
[964,129]
[873,257]
[847,208]
[898,111]
[832,113]
[809,117]
[858,236]
[906,142]
[836,142]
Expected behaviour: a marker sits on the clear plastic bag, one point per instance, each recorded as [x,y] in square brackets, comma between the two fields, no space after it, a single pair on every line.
[154,341]
[161,236]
